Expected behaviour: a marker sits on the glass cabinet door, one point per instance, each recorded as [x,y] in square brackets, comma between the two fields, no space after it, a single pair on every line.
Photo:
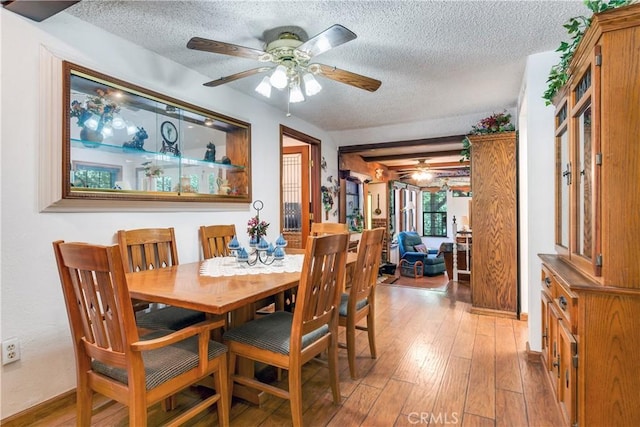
[563,181]
[584,242]
[584,196]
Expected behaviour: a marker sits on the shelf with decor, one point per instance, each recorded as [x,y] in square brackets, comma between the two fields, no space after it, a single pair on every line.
[590,293]
[124,142]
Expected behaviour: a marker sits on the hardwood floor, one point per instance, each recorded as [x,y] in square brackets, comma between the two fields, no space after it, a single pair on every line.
[437,364]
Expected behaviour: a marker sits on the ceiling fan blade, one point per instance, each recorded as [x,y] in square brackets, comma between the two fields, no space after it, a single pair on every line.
[207,45]
[236,76]
[328,39]
[347,77]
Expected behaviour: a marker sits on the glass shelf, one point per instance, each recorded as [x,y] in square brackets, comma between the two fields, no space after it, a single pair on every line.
[156,157]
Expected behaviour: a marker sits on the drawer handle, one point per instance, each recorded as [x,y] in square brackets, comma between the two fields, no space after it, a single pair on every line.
[563,302]
[547,281]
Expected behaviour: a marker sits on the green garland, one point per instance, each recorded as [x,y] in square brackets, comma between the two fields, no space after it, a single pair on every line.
[576,28]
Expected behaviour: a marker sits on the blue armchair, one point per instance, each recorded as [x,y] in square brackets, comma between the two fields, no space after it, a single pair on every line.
[432,264]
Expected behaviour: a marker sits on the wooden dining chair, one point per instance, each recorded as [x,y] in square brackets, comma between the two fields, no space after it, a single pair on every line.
[322,228]
[288,340]
[147,249]
[215,238]
[359,300]
[113,360]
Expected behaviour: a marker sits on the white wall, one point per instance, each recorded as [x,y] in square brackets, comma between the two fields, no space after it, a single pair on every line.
[537,160]
[32,305]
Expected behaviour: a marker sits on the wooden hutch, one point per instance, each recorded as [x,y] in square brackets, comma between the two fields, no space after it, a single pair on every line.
[591,287]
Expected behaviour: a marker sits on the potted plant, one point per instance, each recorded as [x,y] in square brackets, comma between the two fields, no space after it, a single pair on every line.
[496,123]
[93,115]
[576,27]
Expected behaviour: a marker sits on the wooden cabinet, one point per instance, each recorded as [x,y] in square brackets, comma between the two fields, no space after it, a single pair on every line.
[590,337]
[591,287]
[494,281]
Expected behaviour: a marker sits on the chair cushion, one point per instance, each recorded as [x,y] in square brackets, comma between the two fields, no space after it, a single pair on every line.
[172,318]
[420,248]
[162,364]
[344,299]
[433,260]
[272,332]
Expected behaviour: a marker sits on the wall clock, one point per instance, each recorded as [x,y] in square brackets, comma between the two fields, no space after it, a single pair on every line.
[169,132]
[169,138]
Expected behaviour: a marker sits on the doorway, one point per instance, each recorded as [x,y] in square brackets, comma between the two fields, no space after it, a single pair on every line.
[299,185]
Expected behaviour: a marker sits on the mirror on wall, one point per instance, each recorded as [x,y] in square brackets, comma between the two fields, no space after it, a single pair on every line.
[121,141]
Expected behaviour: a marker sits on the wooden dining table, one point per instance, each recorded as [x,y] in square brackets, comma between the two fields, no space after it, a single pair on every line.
[184,286]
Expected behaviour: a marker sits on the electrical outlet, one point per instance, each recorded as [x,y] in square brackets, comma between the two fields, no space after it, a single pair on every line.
[10,351]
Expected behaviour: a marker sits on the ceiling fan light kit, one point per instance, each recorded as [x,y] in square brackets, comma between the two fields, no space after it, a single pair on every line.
[290,57]
[264,88]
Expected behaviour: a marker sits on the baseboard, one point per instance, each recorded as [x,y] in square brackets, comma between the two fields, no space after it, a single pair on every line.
[492,312]
[533,356]
[35,413]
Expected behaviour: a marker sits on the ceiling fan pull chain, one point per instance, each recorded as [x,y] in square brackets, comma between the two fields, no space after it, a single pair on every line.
[289,102]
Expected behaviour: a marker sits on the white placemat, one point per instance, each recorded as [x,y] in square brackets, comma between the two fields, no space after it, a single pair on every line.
[228,266]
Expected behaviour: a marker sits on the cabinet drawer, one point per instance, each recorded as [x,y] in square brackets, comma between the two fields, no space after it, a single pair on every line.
[546,280]
[567,302]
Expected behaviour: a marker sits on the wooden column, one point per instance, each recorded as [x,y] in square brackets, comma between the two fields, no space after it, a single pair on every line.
[494,278]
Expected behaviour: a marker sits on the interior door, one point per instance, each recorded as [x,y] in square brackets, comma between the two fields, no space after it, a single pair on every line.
[300,195]
[295,194]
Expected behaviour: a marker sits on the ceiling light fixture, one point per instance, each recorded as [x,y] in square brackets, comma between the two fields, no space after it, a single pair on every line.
[264,88]
[311,85]
[293,69]
[295,93]
[291,74]
[279,77]
[422,176]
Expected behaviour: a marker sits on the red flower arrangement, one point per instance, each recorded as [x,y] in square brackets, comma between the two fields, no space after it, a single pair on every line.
[500,122]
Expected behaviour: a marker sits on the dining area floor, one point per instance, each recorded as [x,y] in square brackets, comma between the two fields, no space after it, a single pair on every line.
[437,364]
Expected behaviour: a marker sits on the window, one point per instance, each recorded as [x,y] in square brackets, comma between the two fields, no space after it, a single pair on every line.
[434,214]
[94,175]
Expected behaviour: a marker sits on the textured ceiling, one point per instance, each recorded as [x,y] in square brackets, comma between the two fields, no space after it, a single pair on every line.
[435,59]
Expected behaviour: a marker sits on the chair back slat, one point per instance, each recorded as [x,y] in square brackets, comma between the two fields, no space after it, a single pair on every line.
[97,299]
[321,281]
[366,270]
[322,228]
[148,248]
[215,238]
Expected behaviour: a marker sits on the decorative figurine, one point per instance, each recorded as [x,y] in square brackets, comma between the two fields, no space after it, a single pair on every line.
[225,160]
[137,143]
[210,155]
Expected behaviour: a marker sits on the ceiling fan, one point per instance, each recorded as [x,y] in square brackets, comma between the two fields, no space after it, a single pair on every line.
[290,57]
[421,172]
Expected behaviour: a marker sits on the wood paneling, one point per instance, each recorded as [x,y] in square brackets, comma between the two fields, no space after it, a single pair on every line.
[609,368]
[620,126]
[494,282]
